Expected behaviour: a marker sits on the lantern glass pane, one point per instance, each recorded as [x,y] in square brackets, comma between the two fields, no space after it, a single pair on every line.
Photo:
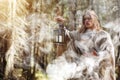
[60,38]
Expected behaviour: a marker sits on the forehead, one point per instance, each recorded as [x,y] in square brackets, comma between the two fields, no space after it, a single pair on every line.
[86,16]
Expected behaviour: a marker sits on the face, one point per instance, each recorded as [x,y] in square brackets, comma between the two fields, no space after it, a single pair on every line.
[88,21]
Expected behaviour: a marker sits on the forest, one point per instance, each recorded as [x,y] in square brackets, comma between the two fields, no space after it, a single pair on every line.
[27,33]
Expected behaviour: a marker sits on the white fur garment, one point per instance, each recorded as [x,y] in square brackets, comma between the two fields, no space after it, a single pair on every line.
[77,62]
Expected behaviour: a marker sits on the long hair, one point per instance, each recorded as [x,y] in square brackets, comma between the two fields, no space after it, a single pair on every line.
[95,19]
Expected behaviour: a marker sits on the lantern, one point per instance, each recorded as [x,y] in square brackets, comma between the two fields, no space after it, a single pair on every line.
[59,34]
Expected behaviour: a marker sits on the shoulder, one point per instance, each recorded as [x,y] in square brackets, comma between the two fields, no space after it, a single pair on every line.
[103,33]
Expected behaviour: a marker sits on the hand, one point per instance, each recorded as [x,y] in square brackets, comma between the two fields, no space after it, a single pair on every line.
[60,19]
[94,53]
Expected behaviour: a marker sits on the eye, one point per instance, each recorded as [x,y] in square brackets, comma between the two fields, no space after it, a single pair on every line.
[88,18]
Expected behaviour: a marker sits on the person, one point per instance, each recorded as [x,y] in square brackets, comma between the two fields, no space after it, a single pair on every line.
[89,55]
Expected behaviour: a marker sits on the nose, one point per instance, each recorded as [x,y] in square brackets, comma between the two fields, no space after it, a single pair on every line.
[86,21]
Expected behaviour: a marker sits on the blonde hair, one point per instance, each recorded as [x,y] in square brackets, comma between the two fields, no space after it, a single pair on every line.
[94,18]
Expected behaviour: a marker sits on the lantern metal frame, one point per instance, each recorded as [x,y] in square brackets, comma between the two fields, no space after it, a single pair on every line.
[59,35]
